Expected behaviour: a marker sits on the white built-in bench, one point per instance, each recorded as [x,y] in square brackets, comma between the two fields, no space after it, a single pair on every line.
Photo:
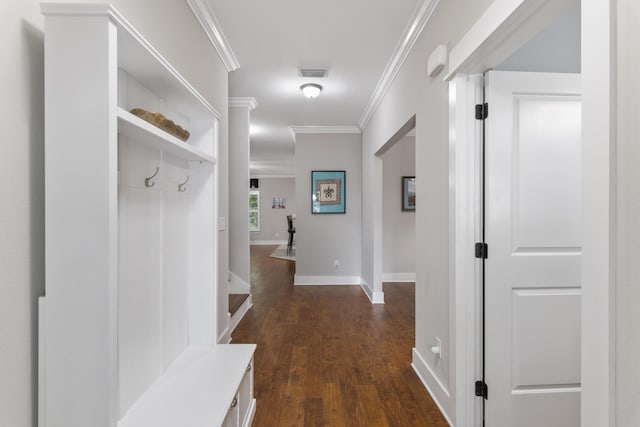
[205,386]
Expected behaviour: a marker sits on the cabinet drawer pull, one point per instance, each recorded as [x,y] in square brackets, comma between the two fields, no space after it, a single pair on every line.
[234,402]
[248,368]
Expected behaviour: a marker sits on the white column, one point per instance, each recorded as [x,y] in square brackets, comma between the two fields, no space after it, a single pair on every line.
[239,119]
[81,239]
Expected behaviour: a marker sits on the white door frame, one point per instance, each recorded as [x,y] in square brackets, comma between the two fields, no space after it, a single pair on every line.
[499,32]
[465,172]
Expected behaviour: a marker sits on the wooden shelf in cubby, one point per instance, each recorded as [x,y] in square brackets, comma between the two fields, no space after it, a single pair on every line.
[142,132]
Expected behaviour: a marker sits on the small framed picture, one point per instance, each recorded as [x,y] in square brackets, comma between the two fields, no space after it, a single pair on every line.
[408,193]
[328,192]
[278,203]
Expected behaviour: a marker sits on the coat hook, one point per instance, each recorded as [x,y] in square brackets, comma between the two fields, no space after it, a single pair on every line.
[148,182]
[182,187]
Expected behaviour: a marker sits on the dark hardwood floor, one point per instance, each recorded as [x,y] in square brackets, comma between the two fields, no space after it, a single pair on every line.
[235,301]
[327,357]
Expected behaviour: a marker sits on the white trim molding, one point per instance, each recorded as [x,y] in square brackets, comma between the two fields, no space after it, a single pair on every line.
[251,412]
[430,380]
[267,242]
[465,171]
[272,177]
[225,336]
[374,296]
[243,102]
[87,9]
[42,359]
[599,204]
[205,16]
[326,280]
[399,277]
[325,129]
[421,16]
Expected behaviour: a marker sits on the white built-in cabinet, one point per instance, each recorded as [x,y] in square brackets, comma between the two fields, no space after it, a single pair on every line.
[128,320]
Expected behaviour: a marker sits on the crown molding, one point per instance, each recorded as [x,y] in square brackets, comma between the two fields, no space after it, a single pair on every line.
[243,102]
[211,27]
[80,9]
[418,21]
[267,176]
[325,129]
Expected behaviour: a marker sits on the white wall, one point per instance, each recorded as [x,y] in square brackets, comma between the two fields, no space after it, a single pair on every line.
[414,93]
[628,233]
[399,228]
[556,49]
[22,213]
[273,222]
[22,170]
[323,238]
[239,192]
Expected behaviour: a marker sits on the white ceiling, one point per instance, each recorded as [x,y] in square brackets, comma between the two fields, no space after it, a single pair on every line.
[354,39]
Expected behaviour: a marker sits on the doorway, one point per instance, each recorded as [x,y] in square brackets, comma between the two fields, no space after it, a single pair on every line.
[397,161]
[524,214]
[398,212]
[532,229]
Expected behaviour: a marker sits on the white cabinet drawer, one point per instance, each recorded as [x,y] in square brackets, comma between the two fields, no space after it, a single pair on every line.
[245,394]
[232,419]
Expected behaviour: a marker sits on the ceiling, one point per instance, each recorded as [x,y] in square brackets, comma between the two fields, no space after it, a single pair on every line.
[354,40]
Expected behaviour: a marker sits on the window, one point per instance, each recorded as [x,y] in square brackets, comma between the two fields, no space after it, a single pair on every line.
[254,210]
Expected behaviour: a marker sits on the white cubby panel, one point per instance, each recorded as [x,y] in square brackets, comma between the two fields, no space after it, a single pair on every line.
[175,276]
[139,293]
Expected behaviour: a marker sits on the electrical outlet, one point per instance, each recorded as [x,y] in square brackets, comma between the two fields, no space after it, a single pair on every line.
[336,263]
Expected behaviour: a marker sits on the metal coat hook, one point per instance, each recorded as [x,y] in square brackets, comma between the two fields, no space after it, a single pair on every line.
[182,187]
[148,182]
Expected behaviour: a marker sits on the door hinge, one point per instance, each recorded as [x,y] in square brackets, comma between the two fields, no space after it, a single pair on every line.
[482,111]
[481,389]
[482,250]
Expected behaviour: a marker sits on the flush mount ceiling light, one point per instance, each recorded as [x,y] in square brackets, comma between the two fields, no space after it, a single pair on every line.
[311,90]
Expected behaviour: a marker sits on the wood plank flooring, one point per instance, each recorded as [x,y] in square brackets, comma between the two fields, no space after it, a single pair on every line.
[327,357]
[235,301]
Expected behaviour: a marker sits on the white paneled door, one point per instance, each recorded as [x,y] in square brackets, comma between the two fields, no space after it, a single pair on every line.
[532,228]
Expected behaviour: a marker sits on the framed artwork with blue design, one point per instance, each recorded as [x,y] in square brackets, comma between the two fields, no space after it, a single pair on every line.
[328,192]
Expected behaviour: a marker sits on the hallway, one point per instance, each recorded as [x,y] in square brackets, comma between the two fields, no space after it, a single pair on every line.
[327,357]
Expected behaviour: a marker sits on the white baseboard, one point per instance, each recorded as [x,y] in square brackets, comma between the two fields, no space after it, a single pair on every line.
[431,383]
[239,314]
[237,285]
[267,242]
[398,277]
[374,297]
[326,280]
[42,352]
[250,414]
[225,336]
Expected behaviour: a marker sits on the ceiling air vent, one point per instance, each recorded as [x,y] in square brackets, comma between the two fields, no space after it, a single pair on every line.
[314,73]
